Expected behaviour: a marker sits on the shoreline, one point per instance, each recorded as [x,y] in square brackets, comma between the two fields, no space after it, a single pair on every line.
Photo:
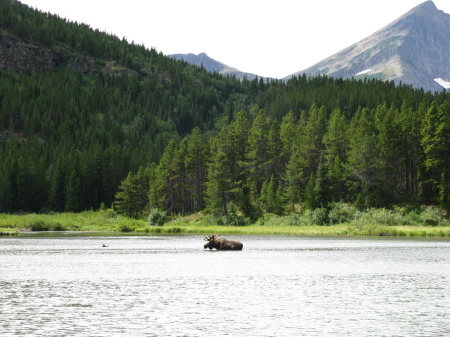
[107,221]
[341,230]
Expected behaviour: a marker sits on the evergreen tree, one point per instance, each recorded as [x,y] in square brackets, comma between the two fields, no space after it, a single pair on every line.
[158,192]
[132,197]
[389,144]
[311,141]
[321,186]
[310,196]
[363,166]
[430,172]
[196,166]
[436,147]
[336,150]
[288,134]
[258,157]
[221,178]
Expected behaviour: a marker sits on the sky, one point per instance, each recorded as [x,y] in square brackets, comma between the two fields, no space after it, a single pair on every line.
[266,38]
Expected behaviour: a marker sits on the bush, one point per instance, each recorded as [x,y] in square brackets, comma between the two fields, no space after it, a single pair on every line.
[319,217]
[39,225]
[125,228]
[58,227]
[431,216]
[341,213]
[233,220]
[157,217]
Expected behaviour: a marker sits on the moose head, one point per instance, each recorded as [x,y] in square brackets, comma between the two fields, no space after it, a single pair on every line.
[221,244]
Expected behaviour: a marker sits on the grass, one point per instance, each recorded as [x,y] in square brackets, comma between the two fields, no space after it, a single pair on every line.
[313,230]
[341,220]
[90,221]
[8,231]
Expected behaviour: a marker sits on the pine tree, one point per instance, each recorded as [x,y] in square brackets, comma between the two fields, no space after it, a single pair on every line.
[132,197]
[196,166]
[221,178]
[336,150]
[311,139]
[310,196]
[389,143]
[436,147]
[430,172]
[443,139]
[158,189]
[293,179]
[363,166]
[258,159]
[322,186]
[288,134]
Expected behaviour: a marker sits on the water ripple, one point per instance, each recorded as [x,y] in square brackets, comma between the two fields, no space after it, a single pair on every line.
[169,287]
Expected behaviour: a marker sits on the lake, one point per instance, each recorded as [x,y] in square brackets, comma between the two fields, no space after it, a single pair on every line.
[69,285]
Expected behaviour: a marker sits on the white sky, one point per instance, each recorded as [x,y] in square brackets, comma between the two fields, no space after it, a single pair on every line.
[267,38]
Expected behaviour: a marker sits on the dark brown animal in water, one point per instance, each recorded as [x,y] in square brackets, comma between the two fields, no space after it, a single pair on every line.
[221,244]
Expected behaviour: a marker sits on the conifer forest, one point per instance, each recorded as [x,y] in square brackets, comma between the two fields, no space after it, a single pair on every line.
[141,131]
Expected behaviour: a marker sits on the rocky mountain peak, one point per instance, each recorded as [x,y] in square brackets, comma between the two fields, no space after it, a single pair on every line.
[414,49]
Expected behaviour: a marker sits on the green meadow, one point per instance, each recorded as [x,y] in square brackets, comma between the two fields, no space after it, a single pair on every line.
[341,220]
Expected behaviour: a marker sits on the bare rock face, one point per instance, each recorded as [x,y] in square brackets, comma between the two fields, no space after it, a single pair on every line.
[414,50]
[16,54]
[19,55]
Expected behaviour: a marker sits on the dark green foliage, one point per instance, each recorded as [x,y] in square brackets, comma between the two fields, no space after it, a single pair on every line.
[132,198]
[167,135]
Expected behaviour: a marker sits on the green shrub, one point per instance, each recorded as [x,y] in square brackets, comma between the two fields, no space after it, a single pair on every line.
[233,220]
[57,227]
[174,230]
[125,228]
[39,225]
[319,217]
[341,213]
[157,217]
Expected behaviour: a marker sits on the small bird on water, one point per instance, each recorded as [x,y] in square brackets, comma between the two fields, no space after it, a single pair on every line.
[104,245]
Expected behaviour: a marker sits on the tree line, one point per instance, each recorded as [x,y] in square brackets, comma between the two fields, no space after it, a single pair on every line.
[379,157]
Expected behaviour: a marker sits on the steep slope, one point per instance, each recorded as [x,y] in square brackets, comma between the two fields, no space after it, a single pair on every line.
[212,65]
[414,49]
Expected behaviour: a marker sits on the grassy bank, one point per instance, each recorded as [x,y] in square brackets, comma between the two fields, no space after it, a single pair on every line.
[341,220]
[98,221]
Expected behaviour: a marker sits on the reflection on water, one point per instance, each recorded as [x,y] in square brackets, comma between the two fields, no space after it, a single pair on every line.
[276,286]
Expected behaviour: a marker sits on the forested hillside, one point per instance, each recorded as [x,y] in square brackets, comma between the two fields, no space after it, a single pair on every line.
[88,119]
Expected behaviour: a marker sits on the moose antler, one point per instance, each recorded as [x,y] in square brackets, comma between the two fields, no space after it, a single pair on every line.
[211,237]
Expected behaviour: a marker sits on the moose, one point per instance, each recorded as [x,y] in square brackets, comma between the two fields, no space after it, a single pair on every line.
[221,244]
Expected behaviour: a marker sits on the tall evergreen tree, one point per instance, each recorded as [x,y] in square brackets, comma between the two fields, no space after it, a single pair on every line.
[336,150]
[258,157]
[132,198]
[363,166]
[196,167]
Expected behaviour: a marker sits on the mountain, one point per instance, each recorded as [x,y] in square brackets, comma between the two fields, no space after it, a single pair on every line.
[212,65]
[414,49]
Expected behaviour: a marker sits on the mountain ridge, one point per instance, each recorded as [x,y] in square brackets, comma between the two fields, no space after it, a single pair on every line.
[413,49]
[212,65]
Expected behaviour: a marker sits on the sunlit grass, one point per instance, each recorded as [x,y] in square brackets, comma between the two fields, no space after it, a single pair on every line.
[334,230]
[376,222]
[100,221]
[8,231]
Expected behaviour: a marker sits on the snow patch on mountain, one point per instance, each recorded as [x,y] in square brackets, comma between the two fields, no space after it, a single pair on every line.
[442,83]
[364,72]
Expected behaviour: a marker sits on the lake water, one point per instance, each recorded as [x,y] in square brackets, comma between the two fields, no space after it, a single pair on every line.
[277,286]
